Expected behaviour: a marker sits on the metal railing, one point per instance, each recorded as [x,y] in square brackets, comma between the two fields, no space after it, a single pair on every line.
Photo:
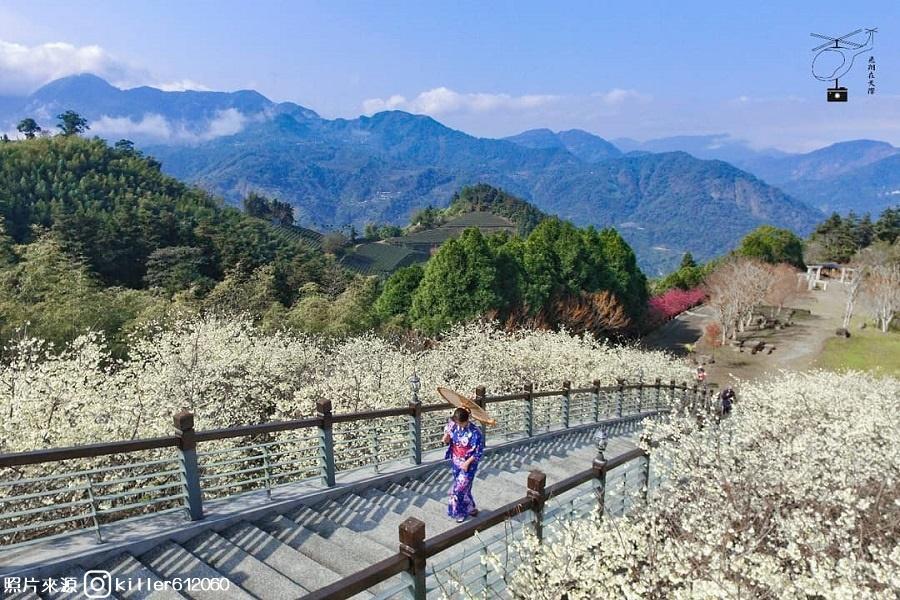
[613,487]
[47,493]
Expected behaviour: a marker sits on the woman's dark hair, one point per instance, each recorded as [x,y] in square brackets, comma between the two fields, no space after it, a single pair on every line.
[460,415]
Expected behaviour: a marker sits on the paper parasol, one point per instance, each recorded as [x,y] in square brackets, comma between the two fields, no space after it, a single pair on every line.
[460,401]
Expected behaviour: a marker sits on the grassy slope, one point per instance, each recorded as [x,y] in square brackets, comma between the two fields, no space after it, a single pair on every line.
[866,350]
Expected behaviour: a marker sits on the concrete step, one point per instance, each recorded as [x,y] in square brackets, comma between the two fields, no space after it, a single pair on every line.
[350,509]
[435,507]
[338,559]
[366,548]
[489,490]
[242,569]
[140,583]
[170,561]
[21,595]
[286,560]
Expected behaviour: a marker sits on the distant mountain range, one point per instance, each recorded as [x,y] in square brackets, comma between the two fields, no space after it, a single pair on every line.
[666,196]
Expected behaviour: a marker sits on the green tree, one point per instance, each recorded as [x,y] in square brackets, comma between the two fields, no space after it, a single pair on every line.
[460,282]
[253,293]
[541,266]
[887,227]
[282,213]
[687,261]
[772,245]
[428,217]
[334,242]
[29,127]
[630,284]
[56,295]
[177,268]
[71,123]
[350,312]
[397,295]
[257,206]
[124,146]
[833,240]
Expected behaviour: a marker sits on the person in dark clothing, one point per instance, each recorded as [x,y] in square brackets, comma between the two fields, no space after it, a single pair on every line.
[726,400]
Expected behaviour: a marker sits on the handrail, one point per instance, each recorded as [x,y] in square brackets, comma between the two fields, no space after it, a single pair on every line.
[454,536]
[105,448]
[406,559]
[372,414]
[261,462]
[245,430]
[362,580]
[33,457]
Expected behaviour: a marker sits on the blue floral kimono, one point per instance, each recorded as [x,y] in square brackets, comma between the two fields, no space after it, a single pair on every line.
[464,443]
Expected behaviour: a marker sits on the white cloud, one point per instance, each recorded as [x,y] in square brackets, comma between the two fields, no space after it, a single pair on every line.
[161,129]
[442,100]
[24,68]
[181,85]
[618,96]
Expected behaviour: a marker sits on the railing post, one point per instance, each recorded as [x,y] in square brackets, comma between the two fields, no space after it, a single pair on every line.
[647,478]
[415,430]
[599,469]
[656,404]
[479,400]
[267,470]
[671,395]
[640,396]
[187,448]
[529,409]
[412,545]
[621,397]
[684,396]
[694,397]
[537,484]
[326,442]
[415,421]
[566,403]
[595,396]
[93,501]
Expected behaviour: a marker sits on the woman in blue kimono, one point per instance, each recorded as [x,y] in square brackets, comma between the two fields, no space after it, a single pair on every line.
[466,448]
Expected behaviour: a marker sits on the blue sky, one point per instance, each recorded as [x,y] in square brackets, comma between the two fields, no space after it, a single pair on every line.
[636,69]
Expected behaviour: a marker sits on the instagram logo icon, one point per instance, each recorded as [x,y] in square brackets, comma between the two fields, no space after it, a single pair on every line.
[97,584]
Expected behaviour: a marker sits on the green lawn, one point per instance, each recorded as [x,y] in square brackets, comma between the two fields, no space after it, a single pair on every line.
[866,350]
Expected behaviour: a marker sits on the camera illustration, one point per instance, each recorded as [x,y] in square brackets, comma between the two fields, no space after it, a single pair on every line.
[97,584]
[837,94]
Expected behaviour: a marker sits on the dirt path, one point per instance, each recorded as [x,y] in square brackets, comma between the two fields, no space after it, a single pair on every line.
[796,347]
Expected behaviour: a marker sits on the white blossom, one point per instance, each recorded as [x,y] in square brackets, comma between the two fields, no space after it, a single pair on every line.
[794,496]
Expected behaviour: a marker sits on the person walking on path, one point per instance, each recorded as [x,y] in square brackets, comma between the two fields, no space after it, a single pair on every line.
[465,448]
[726,398]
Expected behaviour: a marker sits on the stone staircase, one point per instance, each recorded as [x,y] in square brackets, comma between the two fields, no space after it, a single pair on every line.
[290,554]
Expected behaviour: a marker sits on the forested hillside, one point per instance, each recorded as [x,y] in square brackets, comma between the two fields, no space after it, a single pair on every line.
[96,237]
[115,208]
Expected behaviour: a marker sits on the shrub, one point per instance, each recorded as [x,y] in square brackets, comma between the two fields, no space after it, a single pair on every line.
[671,303]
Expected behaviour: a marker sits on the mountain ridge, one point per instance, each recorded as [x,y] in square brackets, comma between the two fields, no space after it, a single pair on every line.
[383,167]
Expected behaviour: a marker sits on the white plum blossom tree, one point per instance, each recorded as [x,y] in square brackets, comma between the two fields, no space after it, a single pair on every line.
[230,373]
[796,495]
